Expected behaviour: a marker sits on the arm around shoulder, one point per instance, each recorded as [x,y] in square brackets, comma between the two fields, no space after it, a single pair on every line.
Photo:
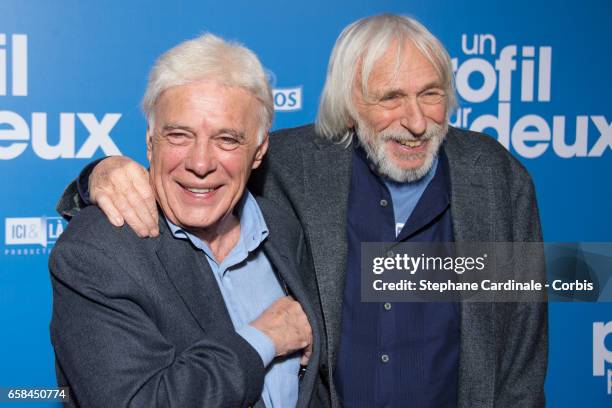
[76,195]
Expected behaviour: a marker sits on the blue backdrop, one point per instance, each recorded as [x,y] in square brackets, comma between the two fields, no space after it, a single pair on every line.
[532,73]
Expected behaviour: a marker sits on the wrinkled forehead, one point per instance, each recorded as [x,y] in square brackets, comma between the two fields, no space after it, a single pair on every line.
[209,101]
[400,63]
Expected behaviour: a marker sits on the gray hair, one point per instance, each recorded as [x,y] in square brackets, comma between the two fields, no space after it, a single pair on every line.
[212,58]
[361,45]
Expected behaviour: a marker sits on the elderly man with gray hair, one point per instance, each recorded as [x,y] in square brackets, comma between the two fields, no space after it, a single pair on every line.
[382,164]
[212,312]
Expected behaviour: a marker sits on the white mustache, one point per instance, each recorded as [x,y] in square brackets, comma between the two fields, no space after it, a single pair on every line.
[407,136]
[403,138]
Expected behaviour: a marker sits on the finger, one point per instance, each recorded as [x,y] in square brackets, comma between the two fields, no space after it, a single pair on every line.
[139,205]
[306,355]
[284,302]
[109,209]
[140,183]
[101,178]
[309,338]
[127,199]
[300,316]
[130,216]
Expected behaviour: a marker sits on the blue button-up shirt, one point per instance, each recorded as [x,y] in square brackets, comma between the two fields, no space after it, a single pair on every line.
[249,285]
[396,354]
[405,196]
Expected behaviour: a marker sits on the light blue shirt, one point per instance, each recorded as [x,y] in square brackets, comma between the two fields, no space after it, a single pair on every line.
[249,285]
[405,196]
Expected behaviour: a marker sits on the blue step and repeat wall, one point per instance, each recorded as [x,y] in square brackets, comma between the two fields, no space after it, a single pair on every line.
[534,74]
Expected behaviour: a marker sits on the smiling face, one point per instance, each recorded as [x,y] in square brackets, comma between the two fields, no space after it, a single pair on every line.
[201,152]
[402,119]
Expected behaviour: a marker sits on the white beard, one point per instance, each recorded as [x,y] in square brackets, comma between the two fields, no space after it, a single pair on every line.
[374,145]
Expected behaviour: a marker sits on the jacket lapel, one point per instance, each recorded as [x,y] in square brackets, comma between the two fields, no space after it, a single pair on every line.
[327,181]
[471,193]
[282,261]
[473,221]
[193,279]
[285,267]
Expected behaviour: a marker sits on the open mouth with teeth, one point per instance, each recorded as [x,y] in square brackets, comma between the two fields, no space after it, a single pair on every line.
[411,143]
[199,192]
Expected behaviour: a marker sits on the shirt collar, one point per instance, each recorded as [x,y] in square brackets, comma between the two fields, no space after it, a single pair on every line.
[419,184]
[435,198]
[253,228]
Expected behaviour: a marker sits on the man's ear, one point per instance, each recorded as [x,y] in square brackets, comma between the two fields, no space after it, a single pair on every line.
[149,144]
[261,152]
[351,123]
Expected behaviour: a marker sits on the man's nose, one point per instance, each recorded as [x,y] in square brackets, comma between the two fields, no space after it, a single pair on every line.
[201,159]
[413,118]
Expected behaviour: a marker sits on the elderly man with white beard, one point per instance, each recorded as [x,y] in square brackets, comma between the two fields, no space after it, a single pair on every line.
[381,164]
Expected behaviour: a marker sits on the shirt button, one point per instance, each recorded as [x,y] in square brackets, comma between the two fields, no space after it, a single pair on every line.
[384,203]
[384,358]
[387,306]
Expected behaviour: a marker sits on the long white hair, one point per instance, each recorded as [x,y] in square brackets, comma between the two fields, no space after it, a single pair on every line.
[358,48]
